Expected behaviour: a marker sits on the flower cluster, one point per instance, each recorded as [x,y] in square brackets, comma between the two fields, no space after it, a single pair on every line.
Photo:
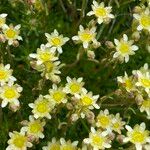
[9,90]
[78,102]
[45,60]
[138,84]
[9,33]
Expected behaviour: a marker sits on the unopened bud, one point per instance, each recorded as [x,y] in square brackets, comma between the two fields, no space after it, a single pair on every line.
[74,117]
[2,38]
[109,44]
[136,36]
[91,54]
[90,117]
[14,107]
[120,138]
[139,99]
[69,106]
[15,43]
[137,9]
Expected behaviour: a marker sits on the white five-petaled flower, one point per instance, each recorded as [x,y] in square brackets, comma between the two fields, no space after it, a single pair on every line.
[74,86]
[53,145]
[18,141]
[87,100]
[42,107]
[86,36]
[138,135]
[117,123]
[9,93]
[58,95]
[127,82]
[11,33]
[143,19]
[102,13]
[144,81]
[67,145]
[124,48]
[44,54]
[145,106]
[6,74]
[98,139]
[55,40]
[2,20]
[34,128]
[104,120]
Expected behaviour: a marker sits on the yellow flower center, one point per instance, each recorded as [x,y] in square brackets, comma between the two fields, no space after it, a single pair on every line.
[146,104]
[46,56]
[137,137]
[67,147]
[145,82]
[128,84]
[75,87]
[10,93]
[54,147]
[101,12]
[19,141]
[116,125]
[145,21]
[2,21]
[10,33]
[3,74]
[49,66]
[56,41]
[58,96]
[42,107]
[86,36]
[97,140]
[86,101]
[124,48]
[35,127]
[104,121]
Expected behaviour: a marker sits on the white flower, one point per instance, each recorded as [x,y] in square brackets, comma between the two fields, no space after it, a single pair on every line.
[138,135]
[51,71]
[98,139]
[145,106]
[67,145]
[127,82]
[18,141]
[34,128]
[6,74]
[102,13]
[42,107]
[10,93]
[144,81]
[143,19]
[124,48]
[53,145]
[74,86]
[12,33]
[58,95]
[117,123]
[56,40]
[2,20]
[44,54]
[86,36]
[87,100]
[104,120]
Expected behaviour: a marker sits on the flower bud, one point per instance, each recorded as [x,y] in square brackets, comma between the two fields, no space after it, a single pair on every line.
[109,44]
[136,36]
[91,54]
